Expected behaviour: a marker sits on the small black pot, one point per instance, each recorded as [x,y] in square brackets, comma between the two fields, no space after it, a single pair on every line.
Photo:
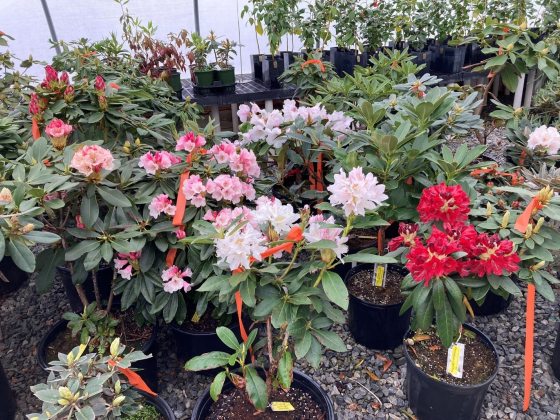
[160,404]
[148,367]
[493,304]
[7,400]
[556,355]
[366,55]
[16,276]
[194,343]
[431,399]
[301,381]
[104,279]
[375,326]
[344,60]
[272,69]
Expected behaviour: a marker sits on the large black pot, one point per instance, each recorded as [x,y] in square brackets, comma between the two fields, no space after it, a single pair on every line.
[344,60]
[191,343]
[493,304]
[422,57]
[431,399]
[256,66]
[147,368]
[448,60]
[301,381]
[7,400]
[104,279]
[160,405]
[375,326]
[272,69]
[13,273]
[556,355]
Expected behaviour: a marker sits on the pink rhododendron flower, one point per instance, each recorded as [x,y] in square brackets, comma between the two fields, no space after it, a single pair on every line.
[189,142]
[223,152]
[223,218]
[173,279]
[180,234]
[124,263]
[356,192]
[195,191]
[237,247]
[58,128]
[99,84]
[290,110]
[317,233]
[158,161]
[91,159]
[246,162]
[545,138]
[271,212]
[226,187]
[244,113]
[161,204]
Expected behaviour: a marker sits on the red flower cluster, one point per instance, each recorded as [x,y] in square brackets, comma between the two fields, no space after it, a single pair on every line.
[407,236]
[448,204]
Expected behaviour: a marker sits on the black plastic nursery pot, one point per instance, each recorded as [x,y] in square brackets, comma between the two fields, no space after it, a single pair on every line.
[367,55]
[344,60]
[555,363]
[493,304]
[147,368]
[204,78]
[289,58]
[422,57]
[104,279]
[191,343]
[272,69]
[376,326]
[160,405]
[7,400]
[225,77]
[256,66]
[300,381]
[16,276]
[174,81]
[448,60]
[431,399]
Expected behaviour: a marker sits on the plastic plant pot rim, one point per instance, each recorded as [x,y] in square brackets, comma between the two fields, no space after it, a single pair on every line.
[362,267]
[427,377]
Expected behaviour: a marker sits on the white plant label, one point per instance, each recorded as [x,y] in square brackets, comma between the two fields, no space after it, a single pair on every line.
[455,359]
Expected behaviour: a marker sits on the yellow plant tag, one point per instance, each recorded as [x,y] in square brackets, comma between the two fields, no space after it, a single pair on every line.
[455,359]
[380,272]
[281,406]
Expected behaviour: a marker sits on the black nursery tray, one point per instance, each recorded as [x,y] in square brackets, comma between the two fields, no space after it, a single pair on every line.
[214,90]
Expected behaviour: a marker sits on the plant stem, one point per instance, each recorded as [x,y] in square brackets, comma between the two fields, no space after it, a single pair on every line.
[271,369]
[320,276]
[289,267]
[96,288]
[82,295]
[112,293]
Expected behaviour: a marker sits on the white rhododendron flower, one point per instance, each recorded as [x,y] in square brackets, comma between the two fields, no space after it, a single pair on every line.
[356,192]
[546,138]
[317,232]
[237,247]
[271,211]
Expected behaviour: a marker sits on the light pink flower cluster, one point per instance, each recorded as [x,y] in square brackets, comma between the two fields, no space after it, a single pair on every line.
[125,262]
[158,161]
[356,192]
[267,125]
[270,212]
[161,204]
[223,218]
[243,161]
[223,187]
[317,232]
[91,159]
[173,279]
[239,246]
[545,138]
[190,141]
[58,129]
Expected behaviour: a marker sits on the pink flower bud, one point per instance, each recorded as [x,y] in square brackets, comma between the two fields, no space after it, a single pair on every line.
[51,75]
[99,83]
[64,78]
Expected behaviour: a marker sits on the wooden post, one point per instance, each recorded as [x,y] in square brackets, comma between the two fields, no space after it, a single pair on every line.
[519,91]
[215,112]
[234,118]
[530,88]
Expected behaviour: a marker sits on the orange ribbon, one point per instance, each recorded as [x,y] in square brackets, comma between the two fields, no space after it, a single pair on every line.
[523,220]
[314,61]
[134,379]
[515,178]
[35,131]
[529,344]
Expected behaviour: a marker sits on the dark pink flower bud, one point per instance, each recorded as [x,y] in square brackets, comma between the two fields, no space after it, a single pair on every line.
[33,104]
[51,75]
[64,78]
[99,83]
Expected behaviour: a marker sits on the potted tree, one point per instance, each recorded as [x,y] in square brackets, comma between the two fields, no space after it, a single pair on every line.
[315,31]
[98,386]
[374,29]
[271,288]
[448,256]
[345,55]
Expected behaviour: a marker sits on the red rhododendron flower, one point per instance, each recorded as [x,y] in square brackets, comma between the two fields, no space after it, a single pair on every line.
[492,255]
[448,204]
[464,235]
[433,260]
[407,236]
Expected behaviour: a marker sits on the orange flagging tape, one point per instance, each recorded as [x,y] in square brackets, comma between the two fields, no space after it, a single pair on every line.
[35,132]
[529,343]
[523,220]
[314,61]
[134,379]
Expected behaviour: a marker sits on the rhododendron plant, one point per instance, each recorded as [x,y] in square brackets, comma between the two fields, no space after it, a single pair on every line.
[58,132]
[447,258]
[155,162]
[89,160]
[545,139]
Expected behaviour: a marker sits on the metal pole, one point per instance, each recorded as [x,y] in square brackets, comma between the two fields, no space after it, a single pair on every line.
[51,26]
[196,17]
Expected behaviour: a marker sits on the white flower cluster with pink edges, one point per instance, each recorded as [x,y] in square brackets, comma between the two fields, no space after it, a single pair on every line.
[318,232]
[223,187]
[239,246]
[356,192]
[154,162]
[545,138]
[173,279]
[92,159]
[271,212]
[189,142]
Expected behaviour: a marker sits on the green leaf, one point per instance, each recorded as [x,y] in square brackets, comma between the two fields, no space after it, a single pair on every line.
[285,371]
[217,385]
[335,289]
[330,340]
[303,345]
[89,210]
[85,413]
[2,246]
[445,322]
[22,256]
[80,249]
[211,360]
[438,291]
[114,197]
[256,388]
[228,337]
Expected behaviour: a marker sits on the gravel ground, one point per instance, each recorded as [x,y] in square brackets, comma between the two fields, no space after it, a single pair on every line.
[25,317]
[495,141]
